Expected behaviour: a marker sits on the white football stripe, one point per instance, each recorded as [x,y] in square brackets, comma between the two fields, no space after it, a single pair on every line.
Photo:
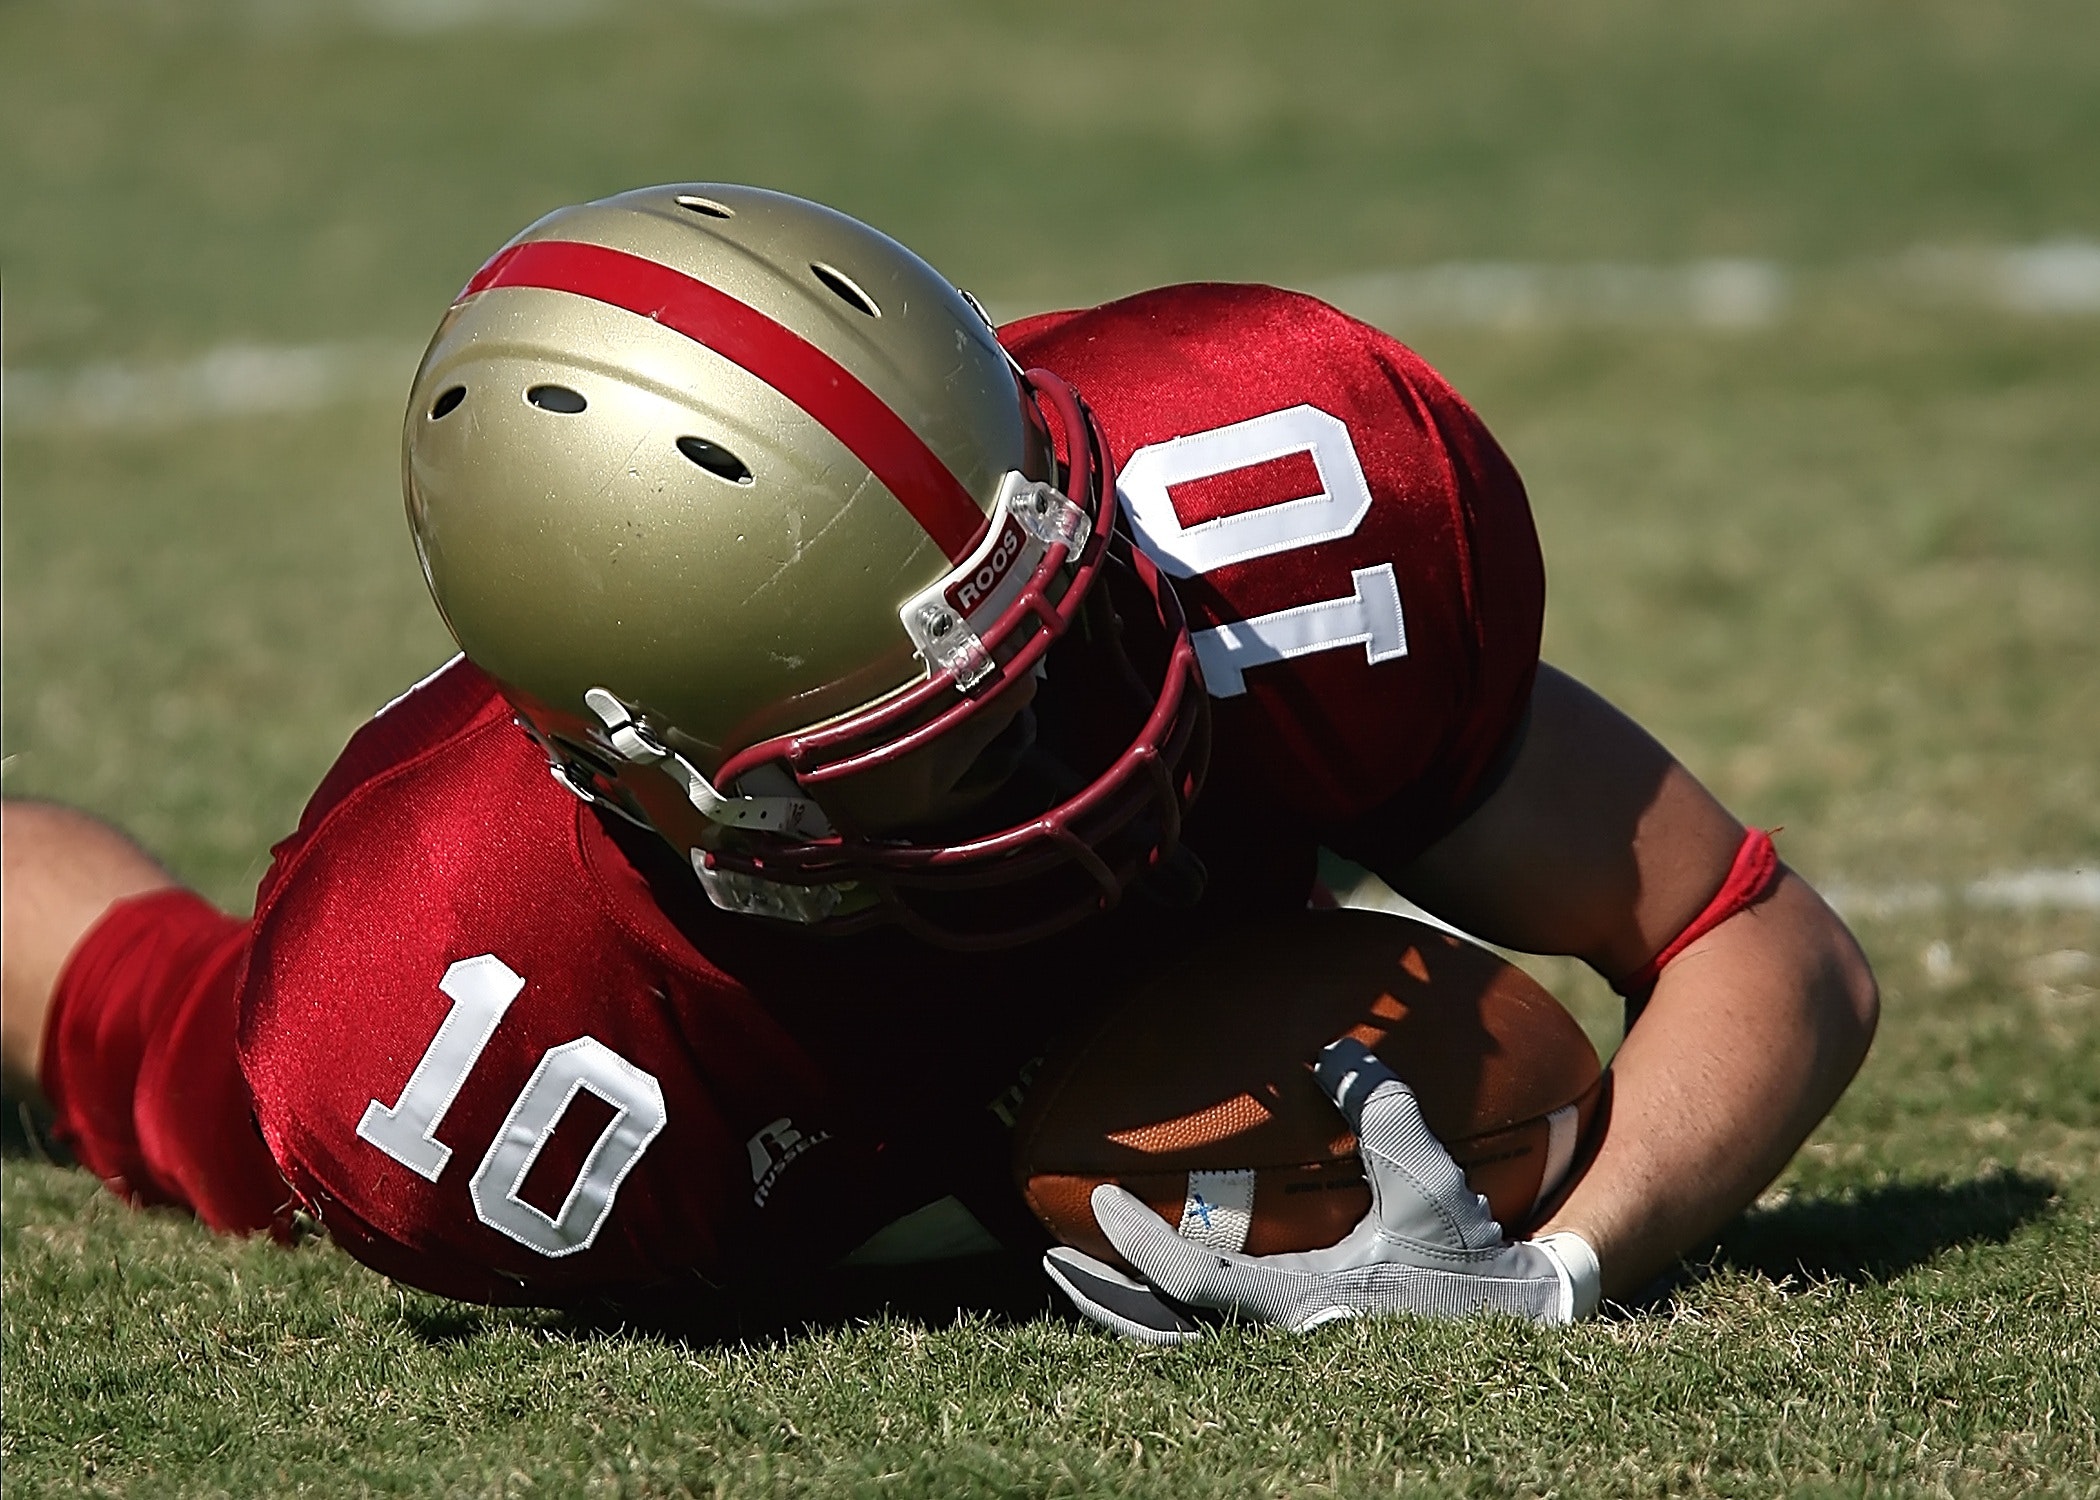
[2073,889]
[1218,1209]
[1560,1151]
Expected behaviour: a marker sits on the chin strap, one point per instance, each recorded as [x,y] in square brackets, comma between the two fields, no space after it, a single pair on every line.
[632,742]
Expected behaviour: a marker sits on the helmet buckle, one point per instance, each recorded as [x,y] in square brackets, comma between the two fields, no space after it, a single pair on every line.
[1048,516]
[630,740]
[948,645]
[636,744]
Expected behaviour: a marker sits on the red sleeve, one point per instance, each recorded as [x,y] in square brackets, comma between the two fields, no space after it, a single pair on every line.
[636,1118]
[1354,551]
[140,1068]
[139,1058]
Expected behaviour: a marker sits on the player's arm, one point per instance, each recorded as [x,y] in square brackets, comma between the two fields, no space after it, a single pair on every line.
[1599,844]
[1596,843]
[119,1004]
[63,871]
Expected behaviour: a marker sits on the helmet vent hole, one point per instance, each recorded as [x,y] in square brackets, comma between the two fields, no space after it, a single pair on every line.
[716,459]
[705,207]
[556,398]
[846,289]
[447,401]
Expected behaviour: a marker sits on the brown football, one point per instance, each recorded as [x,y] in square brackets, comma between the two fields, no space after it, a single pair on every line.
[1197,1093]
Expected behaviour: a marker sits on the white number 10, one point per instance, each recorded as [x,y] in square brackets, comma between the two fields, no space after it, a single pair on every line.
[1368,615]
[481,990]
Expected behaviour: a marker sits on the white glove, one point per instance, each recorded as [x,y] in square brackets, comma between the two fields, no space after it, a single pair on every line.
[1429,1245]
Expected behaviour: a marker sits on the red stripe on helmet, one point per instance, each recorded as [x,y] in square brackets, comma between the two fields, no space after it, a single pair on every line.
[783,359]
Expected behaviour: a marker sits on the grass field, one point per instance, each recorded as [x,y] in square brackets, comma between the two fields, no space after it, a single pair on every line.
[1845,560]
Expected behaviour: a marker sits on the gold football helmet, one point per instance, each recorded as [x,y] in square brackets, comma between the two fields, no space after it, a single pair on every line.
[743,505]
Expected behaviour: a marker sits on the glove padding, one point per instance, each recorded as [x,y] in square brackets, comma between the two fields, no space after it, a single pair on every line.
[1429,1245]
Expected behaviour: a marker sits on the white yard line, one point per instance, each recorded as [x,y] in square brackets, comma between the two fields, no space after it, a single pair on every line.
[2057,278]
[1515,294]
[2060,278]
[233,380]
[2075,889]
[2050,279]
[425,17]
[431,18]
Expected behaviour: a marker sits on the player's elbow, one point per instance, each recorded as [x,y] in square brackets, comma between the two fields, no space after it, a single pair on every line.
[1864,995]
[1848,999]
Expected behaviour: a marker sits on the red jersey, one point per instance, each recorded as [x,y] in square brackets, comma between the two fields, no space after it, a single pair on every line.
[1353,550]
[504,1048]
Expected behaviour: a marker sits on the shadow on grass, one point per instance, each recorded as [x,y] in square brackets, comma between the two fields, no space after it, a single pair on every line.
[442,1325]
[1860,1237]
[1006,1290]
[1875,1234]
[25,1134]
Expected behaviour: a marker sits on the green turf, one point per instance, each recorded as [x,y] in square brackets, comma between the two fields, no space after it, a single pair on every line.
[1849,565]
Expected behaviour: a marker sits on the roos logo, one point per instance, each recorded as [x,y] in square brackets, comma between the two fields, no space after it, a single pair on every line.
[967,593]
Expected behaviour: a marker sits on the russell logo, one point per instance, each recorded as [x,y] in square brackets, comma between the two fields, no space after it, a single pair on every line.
[965,594]
[773,1150]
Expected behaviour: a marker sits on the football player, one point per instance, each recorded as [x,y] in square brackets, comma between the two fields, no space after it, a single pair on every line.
[907,685]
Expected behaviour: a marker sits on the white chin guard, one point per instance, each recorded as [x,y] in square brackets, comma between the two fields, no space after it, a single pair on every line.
[753,896]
